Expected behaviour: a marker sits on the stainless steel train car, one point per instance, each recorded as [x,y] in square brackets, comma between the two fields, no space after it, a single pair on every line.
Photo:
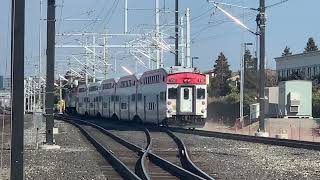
[174,97]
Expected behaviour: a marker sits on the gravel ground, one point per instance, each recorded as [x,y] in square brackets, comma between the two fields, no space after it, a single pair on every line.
[77,158]
[229,159]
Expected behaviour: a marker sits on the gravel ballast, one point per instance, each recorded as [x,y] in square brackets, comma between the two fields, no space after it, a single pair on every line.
[230,159]
[76,159]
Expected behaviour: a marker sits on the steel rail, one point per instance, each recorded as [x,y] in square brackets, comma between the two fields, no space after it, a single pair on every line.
[117,164]
[254,139]
[186,162]
[163,163]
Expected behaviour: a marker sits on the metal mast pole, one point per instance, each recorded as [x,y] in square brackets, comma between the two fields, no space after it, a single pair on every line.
[182,41]
[125,16]
[177,33]
[188,48]
[87,62]
[40,55]
[50,71]
[17,91]
[159,64]
[105,57]
[243,50]
[60,93]
[262,63]
[94,58]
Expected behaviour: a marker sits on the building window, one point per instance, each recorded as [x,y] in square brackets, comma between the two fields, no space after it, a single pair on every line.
[133,97]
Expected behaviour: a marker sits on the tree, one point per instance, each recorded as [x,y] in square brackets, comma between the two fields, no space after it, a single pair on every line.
[311,46]
[250,71]
[286,51]
[219,85]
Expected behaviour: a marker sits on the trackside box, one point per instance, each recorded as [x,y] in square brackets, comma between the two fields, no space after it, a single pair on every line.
[295,98]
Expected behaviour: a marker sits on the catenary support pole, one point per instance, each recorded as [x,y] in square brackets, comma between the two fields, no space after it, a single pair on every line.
[40,57]
[262,63]
[125,16]
[157,22]
[182,41]
[50,71]
[17,91]
[177,33]
[188,39]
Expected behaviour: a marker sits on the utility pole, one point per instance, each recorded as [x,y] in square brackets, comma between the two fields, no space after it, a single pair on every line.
[261,19]
[188,48]
[182,41]
[17,91]
[177,33]
[50,71]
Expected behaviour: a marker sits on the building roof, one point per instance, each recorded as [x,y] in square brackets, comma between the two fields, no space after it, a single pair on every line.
[312,53]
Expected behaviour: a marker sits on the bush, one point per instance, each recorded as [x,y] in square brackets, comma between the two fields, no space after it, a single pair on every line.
[316,104]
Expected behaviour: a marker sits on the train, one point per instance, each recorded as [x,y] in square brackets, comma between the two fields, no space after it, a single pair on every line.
[173,97]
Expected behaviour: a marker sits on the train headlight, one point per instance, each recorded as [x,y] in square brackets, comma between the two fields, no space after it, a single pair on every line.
[203,111]
[169,103]
[203,102]
[169,111]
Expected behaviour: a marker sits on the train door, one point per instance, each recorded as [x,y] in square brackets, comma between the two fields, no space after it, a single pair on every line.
[186,97]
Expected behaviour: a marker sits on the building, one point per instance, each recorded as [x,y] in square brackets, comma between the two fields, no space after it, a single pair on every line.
[1,82]
[298,66]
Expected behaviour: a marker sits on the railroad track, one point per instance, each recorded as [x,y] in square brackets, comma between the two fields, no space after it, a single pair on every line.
[148,165]
[254,139]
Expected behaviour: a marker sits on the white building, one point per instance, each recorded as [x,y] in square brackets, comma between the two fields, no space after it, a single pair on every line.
[305,64]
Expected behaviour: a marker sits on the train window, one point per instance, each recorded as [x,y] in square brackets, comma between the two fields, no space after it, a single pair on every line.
[163,78]
[123,105]
[201,93]
[186,93]
[116,98]
[133,97]
[172,93]
[139,97]
[112,98]
[105,105]
[162,96]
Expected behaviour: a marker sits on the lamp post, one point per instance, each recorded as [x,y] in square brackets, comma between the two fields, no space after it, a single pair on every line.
[192,60]
[242,79]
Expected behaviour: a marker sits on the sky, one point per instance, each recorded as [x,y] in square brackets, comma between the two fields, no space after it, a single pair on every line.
[289,24]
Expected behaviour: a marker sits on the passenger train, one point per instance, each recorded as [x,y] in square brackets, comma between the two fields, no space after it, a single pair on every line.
[173,97]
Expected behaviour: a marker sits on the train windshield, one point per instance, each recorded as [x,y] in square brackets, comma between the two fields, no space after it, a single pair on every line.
[172,93]
[201,93]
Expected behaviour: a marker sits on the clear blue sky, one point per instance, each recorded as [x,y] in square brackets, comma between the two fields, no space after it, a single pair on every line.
[291,23]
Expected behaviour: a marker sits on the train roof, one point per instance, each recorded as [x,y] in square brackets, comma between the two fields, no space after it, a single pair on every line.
[124,78]
[112,80]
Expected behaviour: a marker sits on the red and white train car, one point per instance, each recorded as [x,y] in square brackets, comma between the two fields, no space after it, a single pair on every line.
[177,97]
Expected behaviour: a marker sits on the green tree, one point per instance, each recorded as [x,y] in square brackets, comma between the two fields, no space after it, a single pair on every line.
[286,51]
[311,46]
[219,85]
[250,72]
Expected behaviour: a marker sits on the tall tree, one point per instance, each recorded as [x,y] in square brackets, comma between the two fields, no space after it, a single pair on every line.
[286,51]
[219,85]
[311,46]
[250,71]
